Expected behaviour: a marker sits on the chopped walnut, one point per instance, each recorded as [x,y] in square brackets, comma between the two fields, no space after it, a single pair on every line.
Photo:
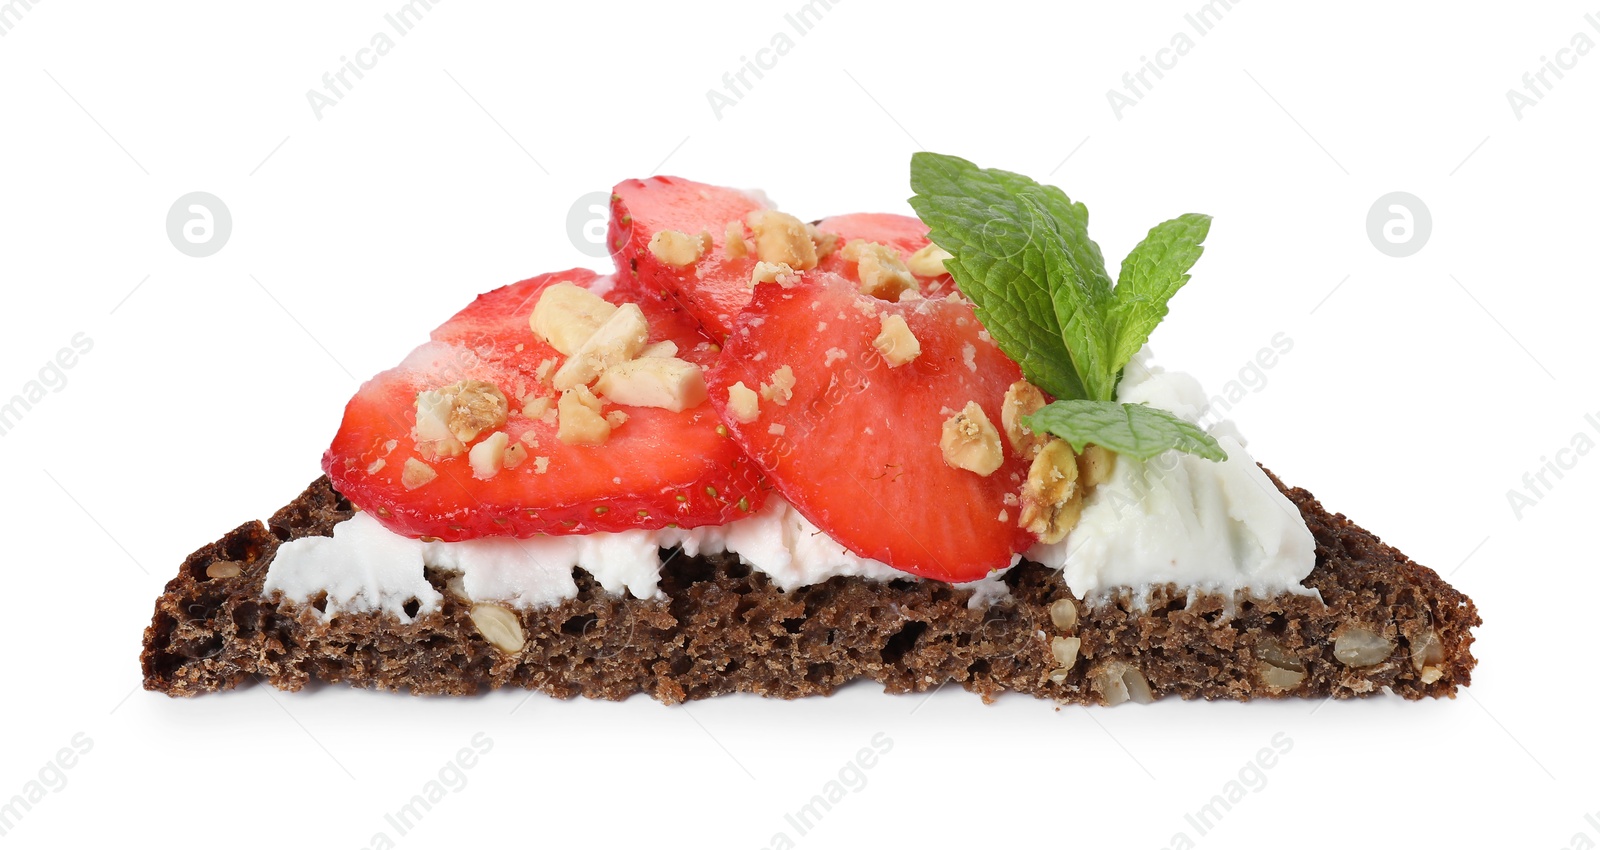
[665,382]
[664,348]
[743,403]
[782,239]
[826,243]
[488,457]
[781,390]
[619,340]
[969,441]
[581,422]
[928,261]
[734,245]
[416,474]
[533,408]
[1095,465]
[896,342]
[1052,502]
[566,315]
[1022,399]
[515,454]
[883,274]
[766,272]
[679,249]
[450,418]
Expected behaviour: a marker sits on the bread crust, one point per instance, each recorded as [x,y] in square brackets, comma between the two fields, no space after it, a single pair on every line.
[722,628]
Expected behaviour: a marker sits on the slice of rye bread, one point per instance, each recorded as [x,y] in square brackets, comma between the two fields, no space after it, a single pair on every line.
[720,627]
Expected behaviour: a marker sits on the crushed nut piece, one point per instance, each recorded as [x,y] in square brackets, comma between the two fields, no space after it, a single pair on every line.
[541,465]
[1052,502]
[883,274]
[450,418]
[743,403]
[895,341]
[665,382]
[826,243]
[969,441]
[535,408]
[479,406]
[781,390]
[501,627]
[515,454]
[488,457]
[416,473]
[616,418]
[619,340]
[1064,614]
[766,272]
[1022,399]
[1359,647]
[546,368]
[1095,465]
[928,261]
[734,245]
[581,422]
[782,239]
[664,348]
[567,315]
[676,248]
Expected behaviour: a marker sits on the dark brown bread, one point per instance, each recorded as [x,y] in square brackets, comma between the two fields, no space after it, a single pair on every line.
[723,628]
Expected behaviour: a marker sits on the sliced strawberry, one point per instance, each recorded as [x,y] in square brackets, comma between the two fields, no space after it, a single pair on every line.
[657,468]
[906,234]
[715,288]
[856,448]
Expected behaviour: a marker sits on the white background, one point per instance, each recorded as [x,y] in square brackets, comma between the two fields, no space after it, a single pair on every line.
[1419,390]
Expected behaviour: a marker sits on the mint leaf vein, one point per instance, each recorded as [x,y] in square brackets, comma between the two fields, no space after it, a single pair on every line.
[1135,430]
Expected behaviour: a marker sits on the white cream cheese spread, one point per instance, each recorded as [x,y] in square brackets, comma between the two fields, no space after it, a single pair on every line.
[1176,518]
[1207,526]
[366,567]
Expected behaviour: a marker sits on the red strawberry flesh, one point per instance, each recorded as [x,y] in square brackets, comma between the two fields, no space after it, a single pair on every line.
[856,449]
[717,287]
[657,468]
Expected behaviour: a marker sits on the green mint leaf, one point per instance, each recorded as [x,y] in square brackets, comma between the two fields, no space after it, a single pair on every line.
[999,242]
[1079,304]
[1151,274]
[1135,430]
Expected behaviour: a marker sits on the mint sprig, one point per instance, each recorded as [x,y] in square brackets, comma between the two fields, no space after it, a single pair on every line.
[1021,251]
[1135,430]
[979,217]
[1151,274]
